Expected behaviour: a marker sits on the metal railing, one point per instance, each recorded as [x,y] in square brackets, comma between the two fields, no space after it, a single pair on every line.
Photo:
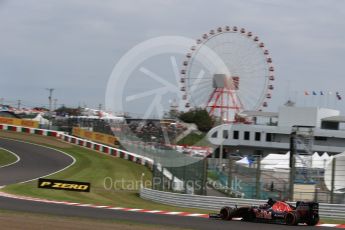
[333,211]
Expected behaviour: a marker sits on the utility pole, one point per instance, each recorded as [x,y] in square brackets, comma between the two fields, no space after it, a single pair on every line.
[50,97]
[100,110]
[55,104]
[19,102]
[293,150]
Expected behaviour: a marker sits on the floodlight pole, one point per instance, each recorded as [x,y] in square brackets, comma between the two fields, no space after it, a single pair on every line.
[19,103]
[55,103]
[50,98]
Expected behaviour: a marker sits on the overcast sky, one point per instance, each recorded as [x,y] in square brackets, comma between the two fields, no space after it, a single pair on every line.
[73,45]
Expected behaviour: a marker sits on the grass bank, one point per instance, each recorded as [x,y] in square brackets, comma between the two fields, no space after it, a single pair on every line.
[114,181]
[6,157]
[194,139]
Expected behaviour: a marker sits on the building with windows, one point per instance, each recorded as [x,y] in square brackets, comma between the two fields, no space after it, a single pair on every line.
[319,130]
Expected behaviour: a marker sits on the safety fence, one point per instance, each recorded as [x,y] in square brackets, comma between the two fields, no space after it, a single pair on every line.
[213,203]
[320,176]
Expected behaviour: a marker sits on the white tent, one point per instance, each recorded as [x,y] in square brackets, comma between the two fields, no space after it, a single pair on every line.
[318,161]
[41,120]
[110,117]
[244,161]
[286,164]
[326,157]
[272,159]
[339,182]
[99,114]
[323,160]
[281,161]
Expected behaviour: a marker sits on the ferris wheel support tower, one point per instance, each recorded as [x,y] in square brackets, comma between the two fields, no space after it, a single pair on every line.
[223,101]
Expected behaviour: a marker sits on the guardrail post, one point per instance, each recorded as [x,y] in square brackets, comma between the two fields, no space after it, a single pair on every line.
[292,165]
[162,179]
[258,176]
[153,186]
[204,178]
[230,175]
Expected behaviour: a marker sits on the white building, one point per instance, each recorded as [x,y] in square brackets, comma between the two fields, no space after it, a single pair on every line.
[270,132]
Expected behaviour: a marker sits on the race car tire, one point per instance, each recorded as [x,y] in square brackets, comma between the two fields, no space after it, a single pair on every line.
[225,213]
[313,220]
[249,216]
[291,219]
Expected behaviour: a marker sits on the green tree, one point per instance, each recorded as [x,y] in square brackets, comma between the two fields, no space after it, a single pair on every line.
[200,117]
[68,111]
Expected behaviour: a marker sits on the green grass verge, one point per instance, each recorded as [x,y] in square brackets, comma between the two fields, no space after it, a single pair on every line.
[94,167]
[194,139]
[212,175]
[6,157]
[331,221]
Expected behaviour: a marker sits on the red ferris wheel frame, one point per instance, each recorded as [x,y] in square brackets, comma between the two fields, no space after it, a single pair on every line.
[219,95]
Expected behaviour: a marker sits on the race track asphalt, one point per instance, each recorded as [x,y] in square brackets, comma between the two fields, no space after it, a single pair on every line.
[38,161]
[35,161]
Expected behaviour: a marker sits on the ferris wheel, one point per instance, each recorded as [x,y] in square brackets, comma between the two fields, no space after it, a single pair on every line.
[241,79]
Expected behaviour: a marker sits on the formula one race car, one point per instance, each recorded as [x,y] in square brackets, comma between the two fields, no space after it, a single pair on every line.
[278,212]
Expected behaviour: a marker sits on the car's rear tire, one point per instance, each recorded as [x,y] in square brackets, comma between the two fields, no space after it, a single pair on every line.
[249,216]
[314,220]
[225,213]
[291,219]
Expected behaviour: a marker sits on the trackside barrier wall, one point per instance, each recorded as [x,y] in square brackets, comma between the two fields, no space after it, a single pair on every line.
[333,211]
[21,129]
[81,142]
[19,122]
[107,149]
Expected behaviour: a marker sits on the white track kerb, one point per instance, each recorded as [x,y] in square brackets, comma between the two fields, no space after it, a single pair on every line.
[104,206]
[107,150]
